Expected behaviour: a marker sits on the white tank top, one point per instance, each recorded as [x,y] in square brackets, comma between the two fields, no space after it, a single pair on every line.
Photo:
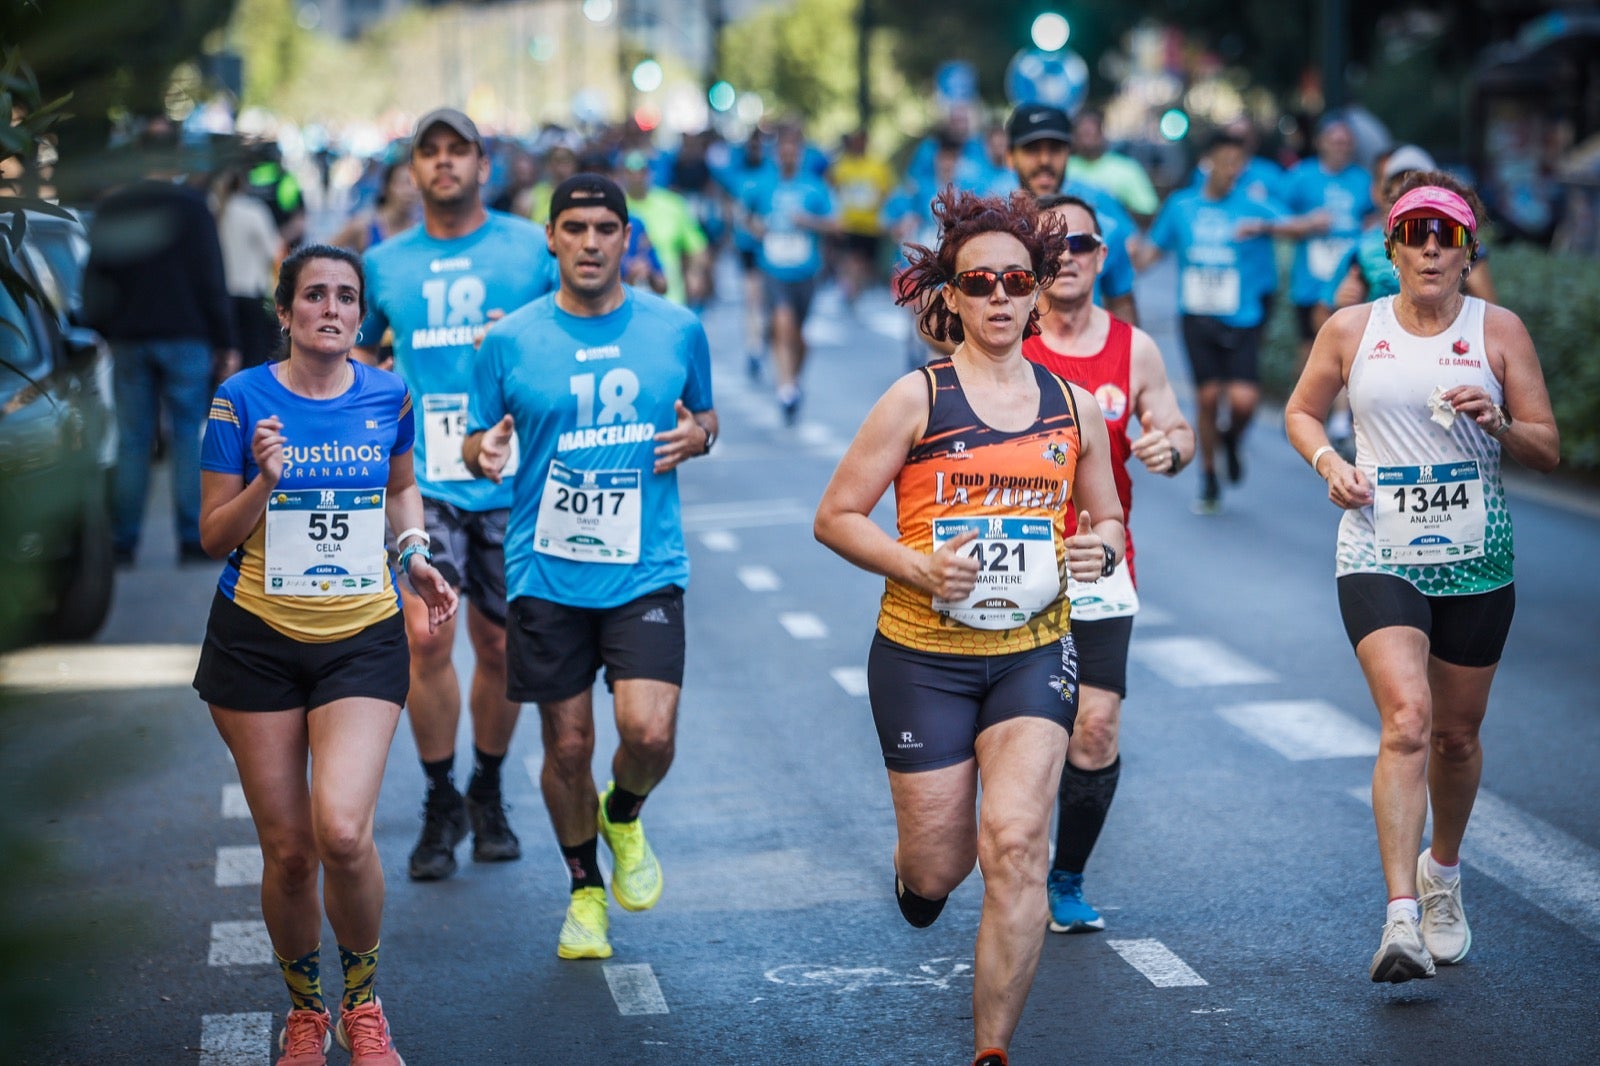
[1438,517]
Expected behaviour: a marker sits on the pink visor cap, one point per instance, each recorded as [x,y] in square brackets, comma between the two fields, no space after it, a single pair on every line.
[1433,200]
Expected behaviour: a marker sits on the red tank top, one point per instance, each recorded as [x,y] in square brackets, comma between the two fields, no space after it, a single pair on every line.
[1107,374]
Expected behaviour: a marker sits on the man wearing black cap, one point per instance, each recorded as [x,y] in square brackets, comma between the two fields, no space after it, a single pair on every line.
[439,285]
[1040,137]
[610,389]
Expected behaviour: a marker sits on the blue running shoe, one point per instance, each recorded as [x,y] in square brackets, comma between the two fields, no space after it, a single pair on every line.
[1068,912]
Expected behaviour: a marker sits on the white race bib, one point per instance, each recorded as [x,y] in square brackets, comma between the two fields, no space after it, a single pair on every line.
[444,430]
[590,516]
[1211,291]
[786,249]
[325,542]
[1110,597]
[1324,254]
[1018,574]
[1429,514]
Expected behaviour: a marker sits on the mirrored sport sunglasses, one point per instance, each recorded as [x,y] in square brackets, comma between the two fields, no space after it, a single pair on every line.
[982,282]
[1082,243]
[1414,232]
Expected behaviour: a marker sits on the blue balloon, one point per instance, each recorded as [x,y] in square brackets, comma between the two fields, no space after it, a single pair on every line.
[1059,79]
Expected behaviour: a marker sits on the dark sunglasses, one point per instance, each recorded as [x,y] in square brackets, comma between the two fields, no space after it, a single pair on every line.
[1414,232]
[1081,243]
[982,282]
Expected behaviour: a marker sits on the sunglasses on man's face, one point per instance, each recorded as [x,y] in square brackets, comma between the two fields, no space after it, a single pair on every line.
[1414,232]
[1082,243]
[982,282]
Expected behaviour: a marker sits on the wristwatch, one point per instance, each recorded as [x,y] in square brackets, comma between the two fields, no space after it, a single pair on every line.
[1177,461]
[711,438]
[1505,422]
[1110,565]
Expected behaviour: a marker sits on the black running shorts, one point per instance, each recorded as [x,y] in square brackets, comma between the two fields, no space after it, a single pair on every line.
[554,651]
[1220,352]
[246,665]
[468,549]
[1462,630]
[1103,653]
[929,707]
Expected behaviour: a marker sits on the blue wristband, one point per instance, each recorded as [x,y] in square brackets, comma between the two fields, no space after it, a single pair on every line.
[413,549]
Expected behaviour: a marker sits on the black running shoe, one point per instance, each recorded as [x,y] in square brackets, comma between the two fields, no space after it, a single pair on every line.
[1230,455]
[920,911]
[1210,501]
[492,838]
[991,1058]
[444,825]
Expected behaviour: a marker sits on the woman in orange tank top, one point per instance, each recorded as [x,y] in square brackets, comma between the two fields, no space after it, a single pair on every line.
[973,674]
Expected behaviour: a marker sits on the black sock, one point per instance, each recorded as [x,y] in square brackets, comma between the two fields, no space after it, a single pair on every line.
[918,910]
[1082,803]
[485,774]
[622,805]
[583,863]
[439,776]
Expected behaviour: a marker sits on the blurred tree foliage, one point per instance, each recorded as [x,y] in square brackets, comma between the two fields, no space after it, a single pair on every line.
[115,58]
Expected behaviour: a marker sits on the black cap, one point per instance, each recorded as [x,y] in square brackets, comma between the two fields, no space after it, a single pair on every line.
[451,118]
[1038,122]
[588,190]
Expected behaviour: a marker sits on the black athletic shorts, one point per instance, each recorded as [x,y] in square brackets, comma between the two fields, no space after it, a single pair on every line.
[747,260]
[553,651]
[468,549]
[866,245]
[929,707]
[1103,653]
[1220,352]
[1302,321]
[246,665]
[795,295]
[1462,630]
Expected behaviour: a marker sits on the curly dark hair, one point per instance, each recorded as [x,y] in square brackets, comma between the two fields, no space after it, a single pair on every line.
[962,216]
[289,272]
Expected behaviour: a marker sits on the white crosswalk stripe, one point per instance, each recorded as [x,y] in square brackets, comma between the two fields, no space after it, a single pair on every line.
[803,625]
[236,1039]
[239,944]
[760,579]
[635,989]
[238,865]
[1303,729]
[1194,662]
[1157,962]
[853,679]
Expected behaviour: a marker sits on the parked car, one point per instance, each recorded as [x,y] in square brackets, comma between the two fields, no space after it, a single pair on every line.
[57,446]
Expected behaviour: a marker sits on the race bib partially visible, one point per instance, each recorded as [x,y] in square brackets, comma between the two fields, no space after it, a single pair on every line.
[1018,575]
[325,542]
[1324,254]
[786,249]
[1211,291]
[444,430]
[1429,514]
[1110,597]
[590,516]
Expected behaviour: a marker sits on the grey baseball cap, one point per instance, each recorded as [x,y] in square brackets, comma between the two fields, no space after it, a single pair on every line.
[450,118]
[1406,158]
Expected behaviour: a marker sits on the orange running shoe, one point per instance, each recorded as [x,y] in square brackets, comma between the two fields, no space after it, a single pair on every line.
[364,1032]
[304,1040]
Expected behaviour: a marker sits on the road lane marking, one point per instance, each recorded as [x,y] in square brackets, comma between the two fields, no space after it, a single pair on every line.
[239,944]
[719,540]
[1303,729]
[634,987]
[760,579]
[96,667]
[853,679]
[1152,616]
[1546,866]
[1157,962]
[235,1039]
[803,626]
[233,803]
[238,866]
[743,515]
[940,973]
[1192,662]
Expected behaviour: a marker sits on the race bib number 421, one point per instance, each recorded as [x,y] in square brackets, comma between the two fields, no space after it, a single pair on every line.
[325,542]
[1018,573]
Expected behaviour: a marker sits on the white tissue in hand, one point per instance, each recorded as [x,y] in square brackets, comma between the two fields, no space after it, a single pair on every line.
[1440,410]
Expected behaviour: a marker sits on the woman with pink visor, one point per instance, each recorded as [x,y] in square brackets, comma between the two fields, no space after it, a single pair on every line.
[1440,384]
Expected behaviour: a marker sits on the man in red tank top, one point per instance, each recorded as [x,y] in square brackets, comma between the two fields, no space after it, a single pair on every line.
[1122,367]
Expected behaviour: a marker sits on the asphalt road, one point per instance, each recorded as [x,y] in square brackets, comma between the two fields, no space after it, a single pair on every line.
[1238,872]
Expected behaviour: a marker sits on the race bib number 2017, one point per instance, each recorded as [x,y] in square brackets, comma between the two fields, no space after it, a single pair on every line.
[590,516]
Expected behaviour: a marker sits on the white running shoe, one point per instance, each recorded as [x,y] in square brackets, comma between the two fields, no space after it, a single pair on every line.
[1444,922]
[1401,956]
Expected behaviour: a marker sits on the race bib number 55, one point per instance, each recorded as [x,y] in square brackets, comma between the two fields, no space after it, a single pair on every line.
[325,542]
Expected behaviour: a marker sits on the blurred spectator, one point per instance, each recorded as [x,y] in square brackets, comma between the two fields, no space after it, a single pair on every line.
[251,249]
[398,207]
[673,232]
[271,181]
[523,173]
[862,182]
[1093,163]
[155,289]
[560,163]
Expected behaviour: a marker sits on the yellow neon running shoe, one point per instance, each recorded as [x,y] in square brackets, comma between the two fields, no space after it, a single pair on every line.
[583,933]
[635,872]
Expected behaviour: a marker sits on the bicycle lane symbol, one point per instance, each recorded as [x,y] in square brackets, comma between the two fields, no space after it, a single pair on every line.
[938,973]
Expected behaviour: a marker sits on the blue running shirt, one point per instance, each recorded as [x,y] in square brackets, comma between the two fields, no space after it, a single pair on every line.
[324,524]
[1346,197]
[787,251]
[1116,227]
[1219,276]
[591,524]
[437,295]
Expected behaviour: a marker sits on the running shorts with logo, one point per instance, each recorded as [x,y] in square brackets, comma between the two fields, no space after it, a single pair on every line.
[468,549]
[553,651]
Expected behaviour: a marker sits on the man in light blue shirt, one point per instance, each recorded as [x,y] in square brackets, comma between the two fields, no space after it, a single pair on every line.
[1332,193]
[438,286]
[609,390]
